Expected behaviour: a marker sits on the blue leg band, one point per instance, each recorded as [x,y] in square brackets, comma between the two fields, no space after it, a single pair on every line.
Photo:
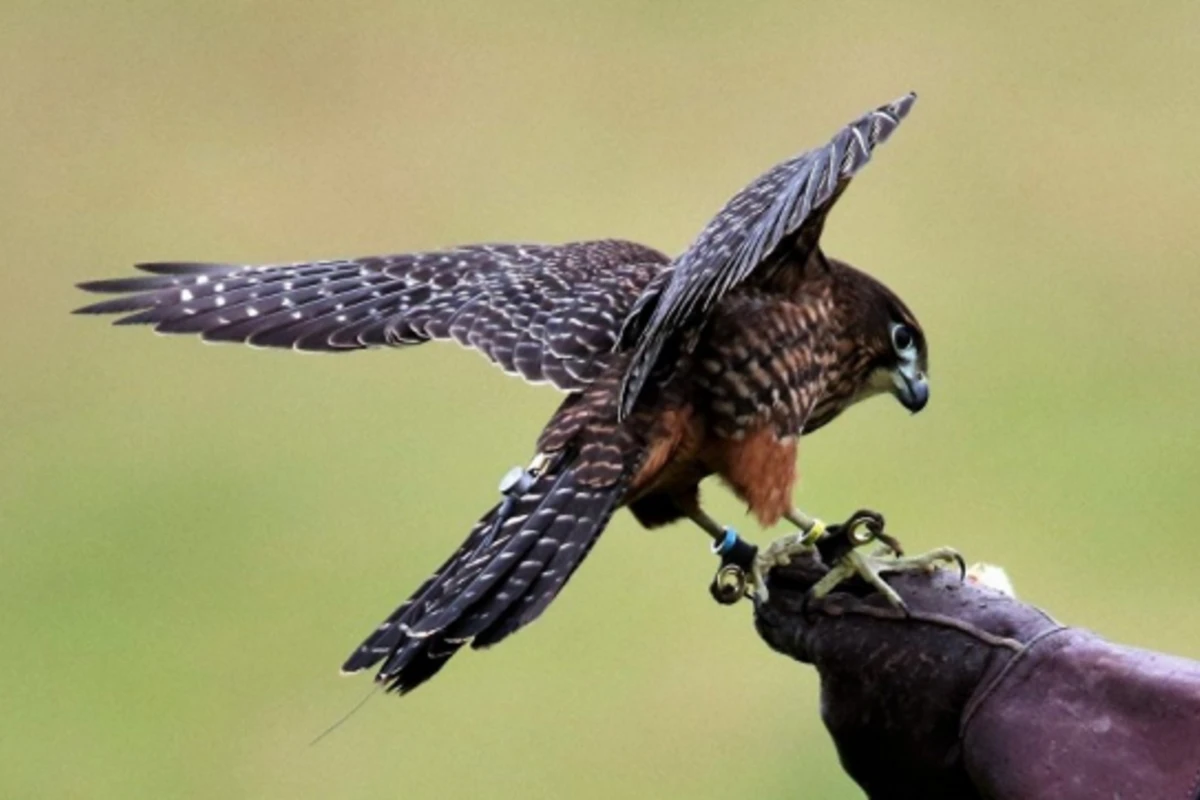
[725,545]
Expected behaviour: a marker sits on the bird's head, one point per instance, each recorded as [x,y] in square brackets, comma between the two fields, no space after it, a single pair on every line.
[894,356]
[901,363]
[908,367]
[882,346]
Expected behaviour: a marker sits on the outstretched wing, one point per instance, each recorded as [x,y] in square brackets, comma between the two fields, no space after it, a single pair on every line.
[544,312]
[784,207]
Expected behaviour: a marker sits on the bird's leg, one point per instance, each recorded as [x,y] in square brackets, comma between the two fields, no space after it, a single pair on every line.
[716,530]
[780,551]
[744,568]
[810,531]
[738,557]
[865,527]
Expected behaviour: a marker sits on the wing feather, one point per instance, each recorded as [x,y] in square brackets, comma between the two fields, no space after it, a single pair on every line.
[786,205]
[544,312]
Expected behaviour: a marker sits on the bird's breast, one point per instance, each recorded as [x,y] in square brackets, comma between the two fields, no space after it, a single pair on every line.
[760,365]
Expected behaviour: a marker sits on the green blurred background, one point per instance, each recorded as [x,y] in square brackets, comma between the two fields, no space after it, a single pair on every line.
[194,537]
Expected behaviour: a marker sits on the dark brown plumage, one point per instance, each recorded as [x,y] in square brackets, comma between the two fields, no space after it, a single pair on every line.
[713,363]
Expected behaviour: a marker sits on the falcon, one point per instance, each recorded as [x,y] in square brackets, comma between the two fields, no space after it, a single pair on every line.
[714,362]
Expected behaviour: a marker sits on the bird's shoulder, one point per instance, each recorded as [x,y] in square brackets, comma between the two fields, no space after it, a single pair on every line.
[771,312]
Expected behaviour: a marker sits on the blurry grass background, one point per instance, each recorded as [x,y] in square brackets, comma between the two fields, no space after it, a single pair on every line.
[194,537]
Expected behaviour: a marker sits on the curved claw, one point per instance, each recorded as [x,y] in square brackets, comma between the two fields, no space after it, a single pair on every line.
[729,584]
[865,526]
[738,568]
[871,568]
[962,565]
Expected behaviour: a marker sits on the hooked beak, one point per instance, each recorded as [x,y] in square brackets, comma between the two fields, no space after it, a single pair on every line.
[911,387]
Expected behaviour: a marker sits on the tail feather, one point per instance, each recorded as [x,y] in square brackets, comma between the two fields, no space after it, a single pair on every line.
[515,584]
[523,535]
[530,594]
[384,640]
[501,578]
[568,559]
[419,660]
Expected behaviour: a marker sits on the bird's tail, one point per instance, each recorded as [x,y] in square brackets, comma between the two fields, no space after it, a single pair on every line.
[514,562]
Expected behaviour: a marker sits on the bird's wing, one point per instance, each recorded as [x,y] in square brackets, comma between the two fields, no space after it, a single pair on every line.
[785,207]
[544,312]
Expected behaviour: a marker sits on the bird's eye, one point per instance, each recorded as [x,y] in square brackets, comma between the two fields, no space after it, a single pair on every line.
[903,339]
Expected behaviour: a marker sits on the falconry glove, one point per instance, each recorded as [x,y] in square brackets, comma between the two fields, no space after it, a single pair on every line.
[974,694]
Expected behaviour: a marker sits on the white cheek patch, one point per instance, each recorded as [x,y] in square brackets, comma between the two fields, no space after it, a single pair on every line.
[908,369]
[878,382]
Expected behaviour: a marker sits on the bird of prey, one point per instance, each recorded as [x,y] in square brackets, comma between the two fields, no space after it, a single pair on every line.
[711,363]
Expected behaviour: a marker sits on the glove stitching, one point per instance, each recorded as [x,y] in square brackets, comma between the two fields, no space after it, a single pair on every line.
[993,686]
